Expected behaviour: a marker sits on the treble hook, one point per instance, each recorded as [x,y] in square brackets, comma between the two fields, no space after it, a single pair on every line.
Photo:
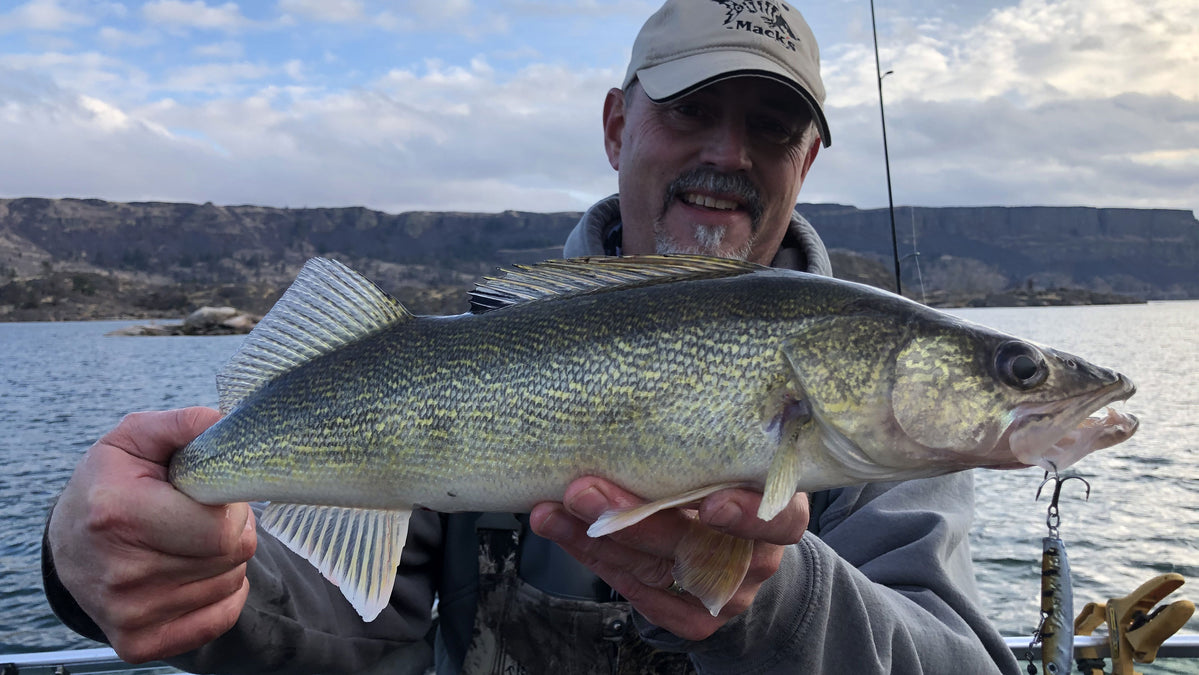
[1056,629]
[1054,519]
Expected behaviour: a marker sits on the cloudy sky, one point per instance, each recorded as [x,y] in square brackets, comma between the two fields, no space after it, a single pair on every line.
[490,105]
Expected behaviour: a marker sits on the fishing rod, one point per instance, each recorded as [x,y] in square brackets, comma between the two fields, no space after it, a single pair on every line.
[886,155]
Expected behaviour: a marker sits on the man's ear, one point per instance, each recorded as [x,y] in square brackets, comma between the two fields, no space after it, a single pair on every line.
[613,125]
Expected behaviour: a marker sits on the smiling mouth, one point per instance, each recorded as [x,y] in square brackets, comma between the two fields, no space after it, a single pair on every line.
[709,202]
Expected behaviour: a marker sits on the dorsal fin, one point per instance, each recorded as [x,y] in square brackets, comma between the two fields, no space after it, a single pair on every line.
[524,283]
[327,306]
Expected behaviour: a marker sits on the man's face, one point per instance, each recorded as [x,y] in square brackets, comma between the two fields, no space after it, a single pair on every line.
[715,172]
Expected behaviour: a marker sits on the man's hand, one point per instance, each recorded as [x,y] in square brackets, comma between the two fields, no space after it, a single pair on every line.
[159,573]
[638,560]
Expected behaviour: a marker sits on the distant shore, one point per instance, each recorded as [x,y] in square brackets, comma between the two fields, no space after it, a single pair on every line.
[1040,298]
[232,321]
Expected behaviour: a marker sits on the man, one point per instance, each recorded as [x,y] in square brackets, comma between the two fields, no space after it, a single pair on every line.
[719,119]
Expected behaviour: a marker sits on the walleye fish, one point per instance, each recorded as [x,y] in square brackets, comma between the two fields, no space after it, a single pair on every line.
[673,377]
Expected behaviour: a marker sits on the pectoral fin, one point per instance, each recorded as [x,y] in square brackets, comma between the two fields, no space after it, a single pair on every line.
[357,550]
[791,421]
[618,519]
[711,565]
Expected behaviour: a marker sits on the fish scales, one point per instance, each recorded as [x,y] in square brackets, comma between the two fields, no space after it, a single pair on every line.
[673,376]
[549,387]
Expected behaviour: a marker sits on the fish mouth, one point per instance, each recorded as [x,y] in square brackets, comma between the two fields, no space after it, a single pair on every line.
[1057,434]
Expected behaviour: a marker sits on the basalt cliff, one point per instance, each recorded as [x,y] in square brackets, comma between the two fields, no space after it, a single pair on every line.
[67,259]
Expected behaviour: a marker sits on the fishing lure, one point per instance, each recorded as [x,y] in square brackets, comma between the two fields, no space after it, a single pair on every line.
[1056,629]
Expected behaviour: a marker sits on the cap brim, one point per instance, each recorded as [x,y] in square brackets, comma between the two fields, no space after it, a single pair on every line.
[680,77]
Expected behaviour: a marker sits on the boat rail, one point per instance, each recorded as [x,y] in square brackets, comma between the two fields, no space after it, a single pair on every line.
[76,661]
[105,660]
[1175,647]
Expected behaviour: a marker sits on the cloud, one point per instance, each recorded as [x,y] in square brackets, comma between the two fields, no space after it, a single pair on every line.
[1041,102]
[219,79]
[90,71]
[42,15]
[439,137]
[324,10]
[195,14]
[228,49]
[116,38]
[464,18]
[1061,102]
[89,146]
[1036,51]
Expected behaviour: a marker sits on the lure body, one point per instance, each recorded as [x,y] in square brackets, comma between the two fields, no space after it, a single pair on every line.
[1057,608]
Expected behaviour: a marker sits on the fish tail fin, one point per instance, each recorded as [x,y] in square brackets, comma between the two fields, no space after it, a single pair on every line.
[327,306]
[357,550]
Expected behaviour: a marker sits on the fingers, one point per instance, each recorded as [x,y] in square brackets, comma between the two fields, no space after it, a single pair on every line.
[638,561]
[117,493]
[154,569]
[609,558]
[184,633]
[735,512]
[641,578]
[155,436]
[178,526]
[589,497]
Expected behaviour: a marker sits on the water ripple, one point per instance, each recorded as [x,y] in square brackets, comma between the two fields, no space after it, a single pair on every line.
[65,384]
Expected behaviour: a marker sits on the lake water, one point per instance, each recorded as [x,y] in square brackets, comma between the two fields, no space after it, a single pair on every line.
[62,385]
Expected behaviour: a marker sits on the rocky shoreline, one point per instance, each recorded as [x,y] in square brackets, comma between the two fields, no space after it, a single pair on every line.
[234,309]
[1056,297]
[230,321]
[203,321]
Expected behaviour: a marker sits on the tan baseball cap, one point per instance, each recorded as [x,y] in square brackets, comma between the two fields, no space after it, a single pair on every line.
[689,44]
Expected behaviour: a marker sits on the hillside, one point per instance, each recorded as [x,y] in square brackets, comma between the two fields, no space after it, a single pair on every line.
[1152,254]
[64,259]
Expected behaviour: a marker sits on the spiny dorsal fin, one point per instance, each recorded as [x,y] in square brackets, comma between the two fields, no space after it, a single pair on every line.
[581,275]
[327,306]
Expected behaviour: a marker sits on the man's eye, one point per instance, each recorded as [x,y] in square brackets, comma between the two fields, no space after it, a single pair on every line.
[774,131]
[689,109]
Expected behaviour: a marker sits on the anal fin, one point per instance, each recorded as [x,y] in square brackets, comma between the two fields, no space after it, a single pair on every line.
[711,565]
[357,550]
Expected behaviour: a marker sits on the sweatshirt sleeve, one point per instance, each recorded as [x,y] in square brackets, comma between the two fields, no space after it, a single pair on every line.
[887,586]
[294,621]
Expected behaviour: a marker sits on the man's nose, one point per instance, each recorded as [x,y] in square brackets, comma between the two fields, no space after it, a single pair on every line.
[727,146]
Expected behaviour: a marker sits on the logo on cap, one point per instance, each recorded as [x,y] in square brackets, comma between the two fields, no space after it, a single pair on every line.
[760,17]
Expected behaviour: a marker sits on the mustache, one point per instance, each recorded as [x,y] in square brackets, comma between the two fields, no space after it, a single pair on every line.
[711,180]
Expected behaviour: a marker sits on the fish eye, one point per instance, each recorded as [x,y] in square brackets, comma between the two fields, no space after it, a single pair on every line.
[1020,365]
